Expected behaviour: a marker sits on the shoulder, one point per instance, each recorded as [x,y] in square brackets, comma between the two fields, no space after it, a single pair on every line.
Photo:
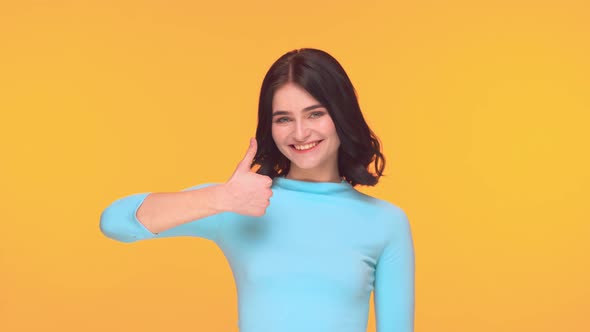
[385,207]
[392,216]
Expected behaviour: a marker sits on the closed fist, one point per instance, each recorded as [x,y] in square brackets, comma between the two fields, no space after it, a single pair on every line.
[247,192]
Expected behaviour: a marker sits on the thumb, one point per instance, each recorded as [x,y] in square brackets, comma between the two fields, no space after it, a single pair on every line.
[246,163]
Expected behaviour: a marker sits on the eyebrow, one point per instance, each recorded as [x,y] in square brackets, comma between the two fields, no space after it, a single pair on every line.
[307,109]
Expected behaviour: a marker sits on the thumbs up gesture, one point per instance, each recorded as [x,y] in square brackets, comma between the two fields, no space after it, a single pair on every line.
[247,192]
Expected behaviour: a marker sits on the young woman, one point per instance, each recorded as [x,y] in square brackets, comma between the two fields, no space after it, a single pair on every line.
[306,249]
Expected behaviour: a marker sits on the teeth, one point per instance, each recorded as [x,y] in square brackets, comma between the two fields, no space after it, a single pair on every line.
[306,146]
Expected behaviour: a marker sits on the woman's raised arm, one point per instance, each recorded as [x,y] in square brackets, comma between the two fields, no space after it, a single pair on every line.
[195,211]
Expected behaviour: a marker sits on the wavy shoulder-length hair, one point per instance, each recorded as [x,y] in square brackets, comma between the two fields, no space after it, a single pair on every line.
[323,77]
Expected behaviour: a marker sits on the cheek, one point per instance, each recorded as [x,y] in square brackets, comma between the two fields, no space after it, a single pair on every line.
[328,128]
[274,133]
[277,134]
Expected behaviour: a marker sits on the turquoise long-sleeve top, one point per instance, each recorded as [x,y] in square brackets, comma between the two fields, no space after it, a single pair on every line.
[310,262]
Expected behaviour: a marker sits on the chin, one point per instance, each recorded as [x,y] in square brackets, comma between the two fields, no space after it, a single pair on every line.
[304,167]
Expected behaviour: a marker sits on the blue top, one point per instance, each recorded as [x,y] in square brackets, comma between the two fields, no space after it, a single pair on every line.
[310,262]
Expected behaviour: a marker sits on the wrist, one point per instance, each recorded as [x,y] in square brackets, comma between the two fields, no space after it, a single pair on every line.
[219,198]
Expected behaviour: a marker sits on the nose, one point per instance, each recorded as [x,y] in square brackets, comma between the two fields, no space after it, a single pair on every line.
[302,131]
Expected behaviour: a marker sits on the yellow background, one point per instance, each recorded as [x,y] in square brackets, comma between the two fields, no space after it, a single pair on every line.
[482,108]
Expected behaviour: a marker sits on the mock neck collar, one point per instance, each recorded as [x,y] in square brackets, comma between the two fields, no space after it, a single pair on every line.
[312,187]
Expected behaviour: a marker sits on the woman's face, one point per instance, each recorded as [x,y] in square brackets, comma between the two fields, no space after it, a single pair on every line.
[305,134]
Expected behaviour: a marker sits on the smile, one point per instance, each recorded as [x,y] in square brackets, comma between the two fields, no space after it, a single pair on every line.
[306,147]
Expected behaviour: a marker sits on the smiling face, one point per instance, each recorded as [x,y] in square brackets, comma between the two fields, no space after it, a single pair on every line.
[305,134]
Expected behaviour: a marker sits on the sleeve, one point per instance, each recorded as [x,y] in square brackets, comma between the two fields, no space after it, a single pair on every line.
[394,280]
[119,221]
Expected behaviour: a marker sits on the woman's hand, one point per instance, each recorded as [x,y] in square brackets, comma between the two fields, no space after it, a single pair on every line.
[247,192]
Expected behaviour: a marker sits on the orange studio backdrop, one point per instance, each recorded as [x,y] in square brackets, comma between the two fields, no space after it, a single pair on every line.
[482,109]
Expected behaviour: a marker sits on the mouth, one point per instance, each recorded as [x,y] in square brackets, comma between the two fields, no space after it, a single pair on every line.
[308,147]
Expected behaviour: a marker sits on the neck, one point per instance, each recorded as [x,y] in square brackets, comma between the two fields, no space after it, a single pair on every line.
[295,174]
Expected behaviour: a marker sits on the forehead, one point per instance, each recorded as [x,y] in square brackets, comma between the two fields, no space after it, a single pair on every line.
[293,98]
